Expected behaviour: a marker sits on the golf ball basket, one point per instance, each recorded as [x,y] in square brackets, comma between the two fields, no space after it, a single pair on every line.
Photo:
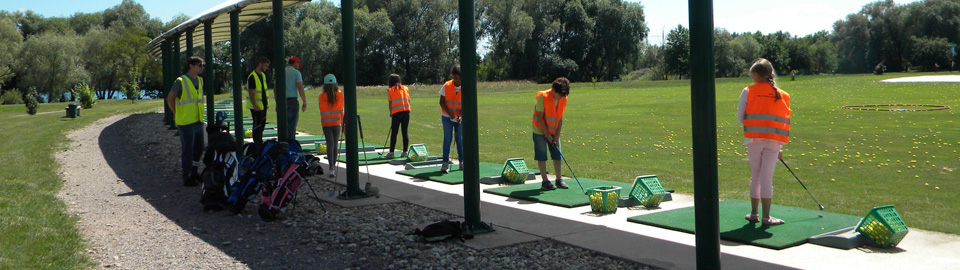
[321,147]
[604,199]
[515,171]
[883,227]
[417,153]
[648,191]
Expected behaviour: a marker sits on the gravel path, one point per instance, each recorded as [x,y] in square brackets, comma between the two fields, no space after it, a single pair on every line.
[121,178]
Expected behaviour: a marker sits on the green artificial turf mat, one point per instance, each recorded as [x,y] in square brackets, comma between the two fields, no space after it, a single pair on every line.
[311,147]
[454,176]
[371,158]
[309,139]
[571,197]
[801,224]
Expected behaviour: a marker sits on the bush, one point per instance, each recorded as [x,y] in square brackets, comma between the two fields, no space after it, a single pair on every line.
[87,99]
[11,96]
[131,90]
[31,101]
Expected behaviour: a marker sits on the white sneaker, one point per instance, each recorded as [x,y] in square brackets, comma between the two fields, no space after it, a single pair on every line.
[333,173]
[444,167]
[388,155]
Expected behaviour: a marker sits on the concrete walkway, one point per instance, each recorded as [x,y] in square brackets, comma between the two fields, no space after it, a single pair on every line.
[518,221]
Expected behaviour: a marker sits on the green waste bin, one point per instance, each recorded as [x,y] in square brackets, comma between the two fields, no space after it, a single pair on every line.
[72,110]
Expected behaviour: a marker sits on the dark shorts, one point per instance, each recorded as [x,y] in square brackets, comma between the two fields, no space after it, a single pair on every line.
[540,147]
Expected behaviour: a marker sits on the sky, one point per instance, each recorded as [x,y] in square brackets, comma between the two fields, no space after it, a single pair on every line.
[796,17]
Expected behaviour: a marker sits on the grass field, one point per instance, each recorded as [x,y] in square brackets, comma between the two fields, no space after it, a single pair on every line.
[851,160]
[35,230]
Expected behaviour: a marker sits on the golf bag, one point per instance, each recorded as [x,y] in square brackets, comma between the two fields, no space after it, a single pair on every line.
[291,167]
[257,168]
[441,231]
[221,165]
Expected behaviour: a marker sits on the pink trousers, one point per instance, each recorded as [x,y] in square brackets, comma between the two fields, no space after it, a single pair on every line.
[763,160]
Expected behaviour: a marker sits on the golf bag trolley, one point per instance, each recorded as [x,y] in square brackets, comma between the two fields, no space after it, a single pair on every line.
[290,169]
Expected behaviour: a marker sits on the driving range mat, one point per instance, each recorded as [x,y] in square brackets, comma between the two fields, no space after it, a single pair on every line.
[800,224]
[454,176]
[571,197]
[371,158]
[312,147]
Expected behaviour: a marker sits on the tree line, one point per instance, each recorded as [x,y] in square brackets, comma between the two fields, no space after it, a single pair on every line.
[537,40]
[883,36]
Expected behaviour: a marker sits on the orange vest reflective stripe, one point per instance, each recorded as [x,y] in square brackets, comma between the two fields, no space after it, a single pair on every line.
[399,99]
[331,115]
[452,98]
[765,116]
[553,113]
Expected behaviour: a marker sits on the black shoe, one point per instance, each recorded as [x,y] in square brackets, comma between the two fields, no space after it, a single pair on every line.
[546,185]
[190,183]
[560,184]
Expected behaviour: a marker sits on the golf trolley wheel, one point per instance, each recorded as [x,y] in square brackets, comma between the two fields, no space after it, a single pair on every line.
[266,214]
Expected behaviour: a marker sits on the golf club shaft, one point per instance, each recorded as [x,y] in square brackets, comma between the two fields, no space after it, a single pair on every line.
[801,184]
[568,167]
[363,146]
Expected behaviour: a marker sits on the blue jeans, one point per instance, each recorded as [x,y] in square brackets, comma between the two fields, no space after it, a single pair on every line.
[448,127]
[293,115]
[540,147]
[191,148]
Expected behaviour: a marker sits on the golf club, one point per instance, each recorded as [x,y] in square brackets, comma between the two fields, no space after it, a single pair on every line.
[385,141]
[363,146]
[568,167]
[801,184]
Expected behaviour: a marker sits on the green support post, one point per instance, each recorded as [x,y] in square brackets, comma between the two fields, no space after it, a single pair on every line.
[237,78]
[350,103]
[279,65]
[177,68]
[704,131]
[471,140]
[208,67]
[165,78]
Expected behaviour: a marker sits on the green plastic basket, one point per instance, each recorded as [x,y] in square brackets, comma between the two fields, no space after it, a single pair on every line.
[647,191]
[883,227]
[417,153]
[604,199]
[515,171]
[321,147]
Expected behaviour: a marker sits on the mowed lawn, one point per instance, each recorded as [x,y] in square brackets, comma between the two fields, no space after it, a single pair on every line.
[35,230]
[850,160]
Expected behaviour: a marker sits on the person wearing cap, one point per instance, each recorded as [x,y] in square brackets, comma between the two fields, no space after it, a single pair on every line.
[331,117]
[257,98]
[294,88]
[186,104]
[450,111]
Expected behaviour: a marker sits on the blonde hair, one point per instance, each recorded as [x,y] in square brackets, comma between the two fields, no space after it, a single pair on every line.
[764,69]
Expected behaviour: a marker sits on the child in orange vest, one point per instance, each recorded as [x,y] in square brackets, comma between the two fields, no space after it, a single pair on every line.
[764,111]
[398,101]
[450,108]
[331,113]
[547,121]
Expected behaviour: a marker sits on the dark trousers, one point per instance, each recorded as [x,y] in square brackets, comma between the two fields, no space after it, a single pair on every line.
[259,123]
[191,148]
[400,121]
[293,115]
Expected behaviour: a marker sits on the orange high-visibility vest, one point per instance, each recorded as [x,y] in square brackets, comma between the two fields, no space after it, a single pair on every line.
[331,115]
[399,99]
[766,117]
[553,113]
[452,98]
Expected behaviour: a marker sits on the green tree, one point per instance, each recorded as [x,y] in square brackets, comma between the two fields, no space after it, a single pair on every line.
[10,42]
[420,49]
[931,51]
[128,54]
[51,63]
[314,42]
[103,74]
[677,52]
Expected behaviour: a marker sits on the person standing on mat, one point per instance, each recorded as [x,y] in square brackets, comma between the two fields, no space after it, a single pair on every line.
[186,103]
[450,111]
[258,99]
[547,123]
[398,100]
[294,88]
[764,111]
[331,117]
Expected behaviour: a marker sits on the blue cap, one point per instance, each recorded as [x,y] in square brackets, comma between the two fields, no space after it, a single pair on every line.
[330,79]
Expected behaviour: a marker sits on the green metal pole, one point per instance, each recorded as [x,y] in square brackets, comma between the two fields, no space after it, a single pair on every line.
[165,63]
[177,71]
[209,67]
[237,78]
[471,141]
[350,103]
[280,65]
[704,111]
